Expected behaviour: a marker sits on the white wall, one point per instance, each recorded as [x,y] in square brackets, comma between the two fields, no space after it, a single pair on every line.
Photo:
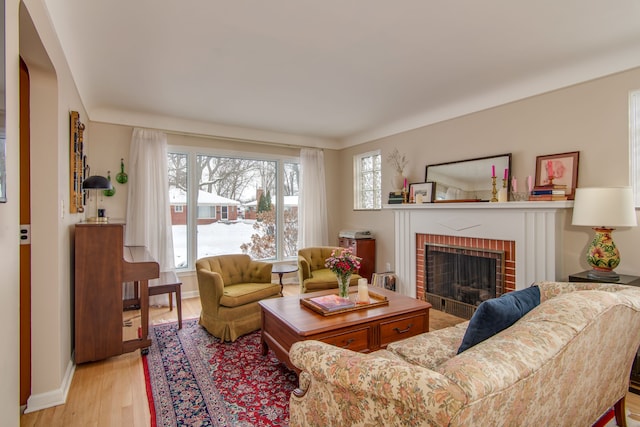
[53,96]
[591,118]
[9,223]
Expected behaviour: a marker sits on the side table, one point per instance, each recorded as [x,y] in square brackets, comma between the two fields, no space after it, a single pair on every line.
[634,385]
[281,270]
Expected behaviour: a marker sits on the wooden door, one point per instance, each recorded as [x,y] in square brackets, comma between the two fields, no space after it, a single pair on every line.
[25,248]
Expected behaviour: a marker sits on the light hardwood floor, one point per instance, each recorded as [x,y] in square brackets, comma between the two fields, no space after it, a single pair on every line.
[112,392]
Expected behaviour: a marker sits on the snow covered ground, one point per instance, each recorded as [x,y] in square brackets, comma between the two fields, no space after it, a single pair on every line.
[213,239]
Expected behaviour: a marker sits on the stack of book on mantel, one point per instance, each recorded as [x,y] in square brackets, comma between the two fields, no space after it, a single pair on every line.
[395,197]
[545,193]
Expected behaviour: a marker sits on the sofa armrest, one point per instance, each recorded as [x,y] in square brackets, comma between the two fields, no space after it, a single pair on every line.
[341,387]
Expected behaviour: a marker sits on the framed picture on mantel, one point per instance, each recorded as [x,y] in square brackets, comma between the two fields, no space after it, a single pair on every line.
[558,169]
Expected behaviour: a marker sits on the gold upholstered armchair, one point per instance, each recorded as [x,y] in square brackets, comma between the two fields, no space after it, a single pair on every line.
[312,274]
[230,288]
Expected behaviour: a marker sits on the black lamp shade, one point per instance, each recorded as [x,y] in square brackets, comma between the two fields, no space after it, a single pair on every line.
[97,182]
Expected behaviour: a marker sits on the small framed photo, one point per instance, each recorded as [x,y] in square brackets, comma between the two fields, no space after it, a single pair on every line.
[558,169]
[422,192]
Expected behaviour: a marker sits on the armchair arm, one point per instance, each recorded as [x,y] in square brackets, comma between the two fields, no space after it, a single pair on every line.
[304,270]
[211,288]
[341,387]
[259,272]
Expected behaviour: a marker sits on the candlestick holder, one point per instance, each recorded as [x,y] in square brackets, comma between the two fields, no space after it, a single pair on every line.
[494,190]
[550,179]
[405,195]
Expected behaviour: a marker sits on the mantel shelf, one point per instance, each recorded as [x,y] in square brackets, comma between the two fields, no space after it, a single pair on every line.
[526,205]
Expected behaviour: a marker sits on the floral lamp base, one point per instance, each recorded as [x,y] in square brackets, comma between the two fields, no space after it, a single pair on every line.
[603,256]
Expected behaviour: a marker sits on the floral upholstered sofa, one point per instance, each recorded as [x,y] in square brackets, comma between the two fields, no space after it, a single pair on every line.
[564,363]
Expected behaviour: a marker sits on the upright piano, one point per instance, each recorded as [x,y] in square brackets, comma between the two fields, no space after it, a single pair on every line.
[102,265]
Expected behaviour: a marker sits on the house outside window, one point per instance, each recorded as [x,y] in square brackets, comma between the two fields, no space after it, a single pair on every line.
[233,204]
[367,170]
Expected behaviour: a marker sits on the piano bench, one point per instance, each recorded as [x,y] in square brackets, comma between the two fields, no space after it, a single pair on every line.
[168,283]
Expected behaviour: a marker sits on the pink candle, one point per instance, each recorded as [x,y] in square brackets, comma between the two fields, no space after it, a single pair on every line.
[506,173]
[405,183]
[514,185]
[493,171]
[529,186]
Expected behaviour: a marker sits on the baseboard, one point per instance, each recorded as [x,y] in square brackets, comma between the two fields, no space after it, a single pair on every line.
[37,402]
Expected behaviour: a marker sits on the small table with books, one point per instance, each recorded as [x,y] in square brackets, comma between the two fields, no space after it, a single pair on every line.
[390,317]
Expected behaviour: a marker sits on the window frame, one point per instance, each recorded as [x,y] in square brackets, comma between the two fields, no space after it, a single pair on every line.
[358,181]
[191,152]
[634,145]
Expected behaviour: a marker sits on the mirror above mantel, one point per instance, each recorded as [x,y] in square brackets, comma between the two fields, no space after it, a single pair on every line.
[468,180]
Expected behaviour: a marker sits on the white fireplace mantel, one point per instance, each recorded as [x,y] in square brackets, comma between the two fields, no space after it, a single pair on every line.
[534,226]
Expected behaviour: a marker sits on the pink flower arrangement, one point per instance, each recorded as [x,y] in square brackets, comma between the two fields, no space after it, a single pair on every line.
[342,262]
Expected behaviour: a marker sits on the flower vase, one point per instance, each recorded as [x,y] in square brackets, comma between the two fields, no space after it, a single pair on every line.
[343,285]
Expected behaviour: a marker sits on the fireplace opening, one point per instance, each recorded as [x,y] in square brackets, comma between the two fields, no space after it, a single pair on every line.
[459,278]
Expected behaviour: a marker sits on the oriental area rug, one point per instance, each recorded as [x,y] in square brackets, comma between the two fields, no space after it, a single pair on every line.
[194,379]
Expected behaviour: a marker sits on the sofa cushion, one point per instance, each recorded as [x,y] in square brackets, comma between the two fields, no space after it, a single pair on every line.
[497,314]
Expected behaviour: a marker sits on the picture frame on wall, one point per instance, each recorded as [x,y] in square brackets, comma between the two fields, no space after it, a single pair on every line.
[558,169]
[422,192]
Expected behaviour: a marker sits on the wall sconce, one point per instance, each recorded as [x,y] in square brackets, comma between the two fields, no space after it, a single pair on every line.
[602,209]
[96,183]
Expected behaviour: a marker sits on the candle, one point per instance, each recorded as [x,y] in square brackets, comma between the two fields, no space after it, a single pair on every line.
[529,186]
[405,184]
[506,173]
[514,185]
[493,171]
[363,291]
[411,191]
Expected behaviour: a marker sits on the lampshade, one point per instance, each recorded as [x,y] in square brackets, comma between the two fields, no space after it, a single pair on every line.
[96,182]
[604,207]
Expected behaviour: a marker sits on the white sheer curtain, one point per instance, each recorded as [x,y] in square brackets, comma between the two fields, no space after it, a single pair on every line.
[312,212]
[148,214]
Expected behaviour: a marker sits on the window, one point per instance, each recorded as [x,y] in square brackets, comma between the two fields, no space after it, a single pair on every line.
[232,204]
[634,143]
[367,170]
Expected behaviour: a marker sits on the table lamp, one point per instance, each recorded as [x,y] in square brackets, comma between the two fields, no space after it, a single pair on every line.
[603,209]
[96,182]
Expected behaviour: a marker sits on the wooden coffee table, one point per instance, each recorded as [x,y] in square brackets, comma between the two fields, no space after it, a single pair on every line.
[285,321]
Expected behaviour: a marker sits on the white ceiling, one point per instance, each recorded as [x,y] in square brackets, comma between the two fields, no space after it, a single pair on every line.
[331,73]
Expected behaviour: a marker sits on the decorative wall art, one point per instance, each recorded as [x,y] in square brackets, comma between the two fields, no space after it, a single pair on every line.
[422,192]
[77,161]
[558,170]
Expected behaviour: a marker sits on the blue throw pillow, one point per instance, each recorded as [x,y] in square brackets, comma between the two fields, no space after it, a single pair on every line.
[497,314]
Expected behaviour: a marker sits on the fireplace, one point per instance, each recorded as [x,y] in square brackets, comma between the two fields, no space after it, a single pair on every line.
[458,278]
[532,229]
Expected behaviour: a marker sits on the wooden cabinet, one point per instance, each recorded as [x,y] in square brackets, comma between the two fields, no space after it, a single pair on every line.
[365,249]
[102,264]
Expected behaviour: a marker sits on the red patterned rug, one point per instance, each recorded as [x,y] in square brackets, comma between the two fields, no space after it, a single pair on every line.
[194,379]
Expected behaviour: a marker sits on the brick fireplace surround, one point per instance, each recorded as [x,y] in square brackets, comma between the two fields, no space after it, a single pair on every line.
[507,246]
[533,230]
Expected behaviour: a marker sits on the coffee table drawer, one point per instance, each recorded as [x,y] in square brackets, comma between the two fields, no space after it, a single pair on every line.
[398,329]
[357,340]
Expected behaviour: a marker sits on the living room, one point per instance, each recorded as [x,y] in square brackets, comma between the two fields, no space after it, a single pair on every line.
[586,111]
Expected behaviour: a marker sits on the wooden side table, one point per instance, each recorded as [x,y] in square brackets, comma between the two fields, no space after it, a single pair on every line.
[624,279]
[281,270]
[634,386]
